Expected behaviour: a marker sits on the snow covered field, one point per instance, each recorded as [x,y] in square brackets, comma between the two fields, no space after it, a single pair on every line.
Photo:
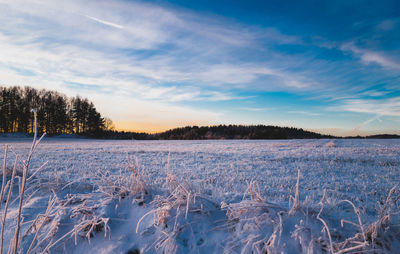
[207,196]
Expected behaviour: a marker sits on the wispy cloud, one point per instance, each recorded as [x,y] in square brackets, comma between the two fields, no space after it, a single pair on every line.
[381,107]
[387,25]
[166,57]
[254,109]
[307,113]
[150,58]
[369,57]
[375,93]
[179,47]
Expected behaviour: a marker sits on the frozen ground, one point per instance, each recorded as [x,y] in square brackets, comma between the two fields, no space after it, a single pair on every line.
[209,196]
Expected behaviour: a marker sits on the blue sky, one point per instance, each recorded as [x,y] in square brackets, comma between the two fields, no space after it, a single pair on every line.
[329,66]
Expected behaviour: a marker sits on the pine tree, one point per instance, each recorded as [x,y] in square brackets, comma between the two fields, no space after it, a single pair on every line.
[55,112]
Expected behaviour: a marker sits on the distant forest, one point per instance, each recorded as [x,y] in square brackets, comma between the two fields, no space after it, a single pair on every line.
[232,132]
[56,113]
[238,132]
[219,132]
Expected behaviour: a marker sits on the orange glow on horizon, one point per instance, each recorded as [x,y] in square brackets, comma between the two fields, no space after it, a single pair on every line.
[140,127]
[148,127]
[152,128]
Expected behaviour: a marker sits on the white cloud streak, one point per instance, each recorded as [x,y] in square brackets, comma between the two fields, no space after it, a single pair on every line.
[372,57]
[382,107]
[61,36]
[135,51]
[105,22]
[307,113]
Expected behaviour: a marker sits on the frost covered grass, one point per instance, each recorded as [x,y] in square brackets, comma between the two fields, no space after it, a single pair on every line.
[297,196]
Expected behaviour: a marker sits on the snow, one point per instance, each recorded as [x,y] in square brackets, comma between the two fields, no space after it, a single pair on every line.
[231,196]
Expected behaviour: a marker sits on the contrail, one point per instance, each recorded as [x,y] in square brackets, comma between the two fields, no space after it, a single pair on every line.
[104,22]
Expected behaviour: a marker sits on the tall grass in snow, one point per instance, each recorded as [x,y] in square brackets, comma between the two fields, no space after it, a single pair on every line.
[15,241]
[263,227]
[179,215]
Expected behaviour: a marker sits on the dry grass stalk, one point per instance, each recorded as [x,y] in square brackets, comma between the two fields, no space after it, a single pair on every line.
[14,243]
[179,198]
[173,214]
[296,202]
[248,219]
[131,182]
[325,228]
[88,222]
[41,220]
[24,180]
[373,238]
[3,224]
[375,233]
[4,175]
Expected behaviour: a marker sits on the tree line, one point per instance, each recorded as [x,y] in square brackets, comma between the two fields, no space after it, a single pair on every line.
[56,113]
[238,132]
[220,132]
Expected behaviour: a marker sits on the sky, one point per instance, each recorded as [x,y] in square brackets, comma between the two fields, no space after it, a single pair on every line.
[327,66]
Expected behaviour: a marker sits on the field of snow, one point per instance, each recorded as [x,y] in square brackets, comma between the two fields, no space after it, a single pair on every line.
[236,196]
